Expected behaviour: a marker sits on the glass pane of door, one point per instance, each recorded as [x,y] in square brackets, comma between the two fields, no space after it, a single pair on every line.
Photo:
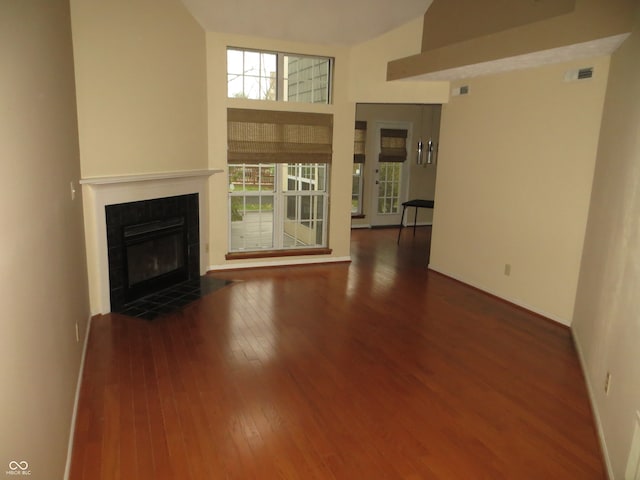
[389,176]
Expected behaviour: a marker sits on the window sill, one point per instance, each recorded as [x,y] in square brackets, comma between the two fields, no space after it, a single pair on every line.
[277,253]
[360,215]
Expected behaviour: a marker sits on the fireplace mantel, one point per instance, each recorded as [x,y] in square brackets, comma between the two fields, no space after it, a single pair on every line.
[98,192]
[147,177]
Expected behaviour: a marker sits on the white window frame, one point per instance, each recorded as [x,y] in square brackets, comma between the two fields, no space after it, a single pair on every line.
[280,195]
[282,74]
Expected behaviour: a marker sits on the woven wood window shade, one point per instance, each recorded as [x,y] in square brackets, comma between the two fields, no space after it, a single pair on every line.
[359,142]
[266,136]
[393,145]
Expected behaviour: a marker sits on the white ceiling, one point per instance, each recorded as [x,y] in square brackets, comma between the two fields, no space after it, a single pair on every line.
[329,22]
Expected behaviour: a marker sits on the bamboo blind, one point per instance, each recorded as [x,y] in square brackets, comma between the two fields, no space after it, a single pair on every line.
[359,142]
[266,136]
[393,145]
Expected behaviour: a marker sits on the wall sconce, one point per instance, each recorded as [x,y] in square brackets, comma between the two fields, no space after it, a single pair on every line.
[431,152]
[431,145]
[419,159]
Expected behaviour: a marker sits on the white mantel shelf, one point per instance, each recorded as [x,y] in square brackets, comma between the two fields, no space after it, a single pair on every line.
[148,177]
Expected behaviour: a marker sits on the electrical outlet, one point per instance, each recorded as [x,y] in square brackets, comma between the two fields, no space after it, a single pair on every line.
[507,269]
[607,383]
[77,333]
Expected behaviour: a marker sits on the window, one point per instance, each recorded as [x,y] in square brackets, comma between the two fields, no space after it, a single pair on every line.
[251,202]
[389,176]
[277,206]
[278,179]
[278,76]
[358,167]
[251,74]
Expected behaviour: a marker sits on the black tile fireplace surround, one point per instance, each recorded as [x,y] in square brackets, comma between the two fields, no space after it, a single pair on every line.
[153,229]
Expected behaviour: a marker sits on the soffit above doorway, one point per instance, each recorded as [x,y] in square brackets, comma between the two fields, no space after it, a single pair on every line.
[491,42]
[595,48]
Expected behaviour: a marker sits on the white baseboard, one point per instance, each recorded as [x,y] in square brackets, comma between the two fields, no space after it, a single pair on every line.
[515,301]
[405,225]
[280,262]
[408,224]
[594,409]
[74,415]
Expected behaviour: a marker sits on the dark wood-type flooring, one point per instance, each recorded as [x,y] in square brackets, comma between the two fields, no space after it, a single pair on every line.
[378,369]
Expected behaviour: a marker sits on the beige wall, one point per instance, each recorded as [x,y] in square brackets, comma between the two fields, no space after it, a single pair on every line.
[43,283]
[368,70]
[343,112]
[514,177]
[607,312]
[141,82]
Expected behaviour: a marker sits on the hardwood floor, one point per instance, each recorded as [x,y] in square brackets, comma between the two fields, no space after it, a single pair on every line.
[378,369]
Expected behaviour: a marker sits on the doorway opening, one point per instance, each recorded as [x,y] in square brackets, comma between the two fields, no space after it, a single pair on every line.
[393,168]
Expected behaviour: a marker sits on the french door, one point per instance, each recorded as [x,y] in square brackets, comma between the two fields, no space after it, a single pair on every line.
[390,180]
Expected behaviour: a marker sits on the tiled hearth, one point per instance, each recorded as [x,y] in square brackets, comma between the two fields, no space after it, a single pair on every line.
[173,298]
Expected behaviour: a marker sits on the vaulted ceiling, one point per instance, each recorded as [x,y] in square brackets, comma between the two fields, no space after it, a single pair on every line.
[463,38]
[332,22]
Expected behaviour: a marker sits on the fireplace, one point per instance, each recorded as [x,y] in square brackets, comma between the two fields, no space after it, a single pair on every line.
[152,245]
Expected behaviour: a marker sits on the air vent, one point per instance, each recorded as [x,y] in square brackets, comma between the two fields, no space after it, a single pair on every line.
[585,73]
[463,90]
[580,74]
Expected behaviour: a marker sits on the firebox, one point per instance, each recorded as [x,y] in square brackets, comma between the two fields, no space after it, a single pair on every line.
[155,256]
[152,244]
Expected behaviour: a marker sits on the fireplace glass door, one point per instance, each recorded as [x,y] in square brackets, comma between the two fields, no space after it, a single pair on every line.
[155,256]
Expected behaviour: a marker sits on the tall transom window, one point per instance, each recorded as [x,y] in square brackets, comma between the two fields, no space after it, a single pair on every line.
[261,75]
